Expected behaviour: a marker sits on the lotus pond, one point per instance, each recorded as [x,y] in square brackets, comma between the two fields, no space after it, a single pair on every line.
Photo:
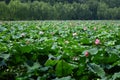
[60,50]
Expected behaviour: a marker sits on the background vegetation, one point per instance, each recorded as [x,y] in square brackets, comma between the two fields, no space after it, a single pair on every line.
[59,9]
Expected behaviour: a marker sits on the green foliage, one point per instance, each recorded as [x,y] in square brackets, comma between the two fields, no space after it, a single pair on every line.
[64,78]
[116,76]
[59,50]
[63,69]
[59,9]
[96,69]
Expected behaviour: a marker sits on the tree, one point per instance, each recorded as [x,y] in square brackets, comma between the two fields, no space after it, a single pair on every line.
[93,6]
[3,11]
[102,11]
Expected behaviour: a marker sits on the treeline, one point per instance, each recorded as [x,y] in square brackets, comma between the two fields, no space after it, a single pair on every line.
[59,9]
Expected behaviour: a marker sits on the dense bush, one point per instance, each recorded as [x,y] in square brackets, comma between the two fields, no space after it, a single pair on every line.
[60,10]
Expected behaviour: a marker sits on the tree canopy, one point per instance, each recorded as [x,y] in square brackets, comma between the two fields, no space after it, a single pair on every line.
[59,9]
